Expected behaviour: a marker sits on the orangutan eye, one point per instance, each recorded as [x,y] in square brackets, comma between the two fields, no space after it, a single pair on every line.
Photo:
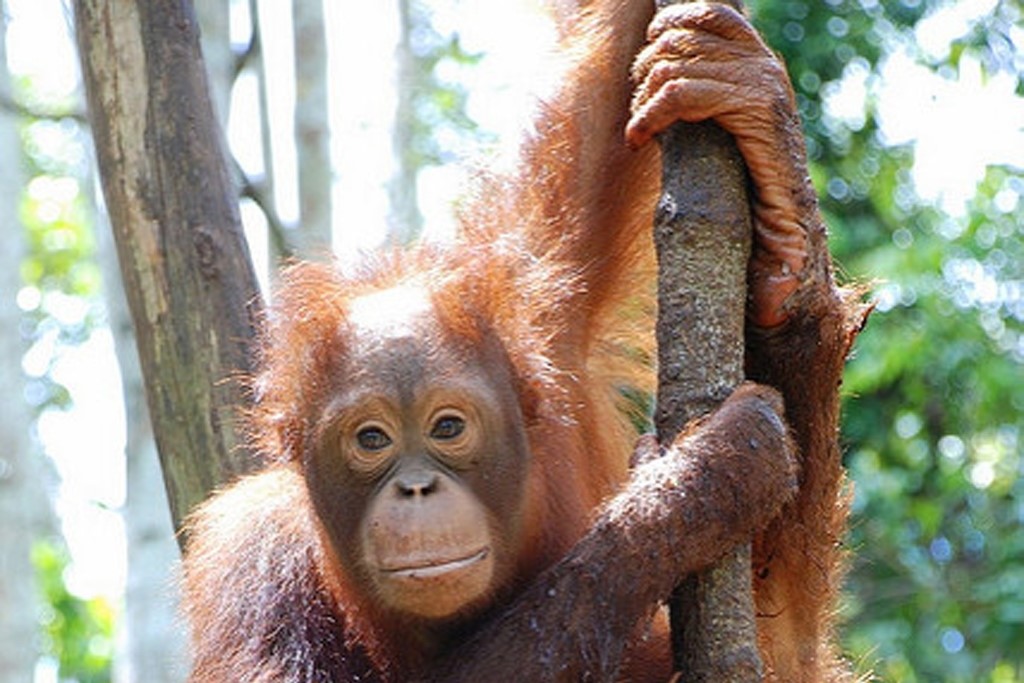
[373,439]
[448,427]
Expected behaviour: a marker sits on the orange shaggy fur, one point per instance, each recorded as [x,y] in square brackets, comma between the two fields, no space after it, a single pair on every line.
[556,263]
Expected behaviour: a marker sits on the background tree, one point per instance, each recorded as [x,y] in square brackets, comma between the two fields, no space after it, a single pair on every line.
[194,306]
[430,108]
[49,307]
[21,492]
[312,128]
[155,644]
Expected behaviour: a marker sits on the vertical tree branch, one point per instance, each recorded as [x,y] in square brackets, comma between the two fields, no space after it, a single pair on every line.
[173,209]
[702,237]
[405,222]
[312,128]
[262,191]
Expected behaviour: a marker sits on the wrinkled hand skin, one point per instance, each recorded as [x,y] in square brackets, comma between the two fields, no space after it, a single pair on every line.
[705,61]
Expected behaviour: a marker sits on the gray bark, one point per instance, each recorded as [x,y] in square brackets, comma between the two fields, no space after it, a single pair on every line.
[173,208]
[702,235]
[312,139]
[155,641]
[405,221]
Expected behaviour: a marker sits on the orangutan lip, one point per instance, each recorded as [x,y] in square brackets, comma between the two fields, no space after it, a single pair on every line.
[435,567]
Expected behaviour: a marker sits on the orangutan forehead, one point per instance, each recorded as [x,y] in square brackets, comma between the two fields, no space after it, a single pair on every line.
[391,313]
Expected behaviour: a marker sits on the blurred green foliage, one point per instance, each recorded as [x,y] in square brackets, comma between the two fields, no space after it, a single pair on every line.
[438,96]
[934,407]
[61,293]
[60,299]
[79,634]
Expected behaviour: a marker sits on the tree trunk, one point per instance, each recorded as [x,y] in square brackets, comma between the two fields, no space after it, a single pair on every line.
[155,644]
[703,236]
[186,267]
[280,244]
[215,38]
[155,649]
[405,222]
[311,127]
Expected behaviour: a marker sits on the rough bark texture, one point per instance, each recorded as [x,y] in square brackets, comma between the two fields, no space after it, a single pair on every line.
[186,267]
[702,236]
[155,644]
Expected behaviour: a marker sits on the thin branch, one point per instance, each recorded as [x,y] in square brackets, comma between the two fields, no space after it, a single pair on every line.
[247,54]
[257,192]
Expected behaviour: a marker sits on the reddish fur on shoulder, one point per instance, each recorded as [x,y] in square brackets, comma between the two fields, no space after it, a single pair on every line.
[253,562]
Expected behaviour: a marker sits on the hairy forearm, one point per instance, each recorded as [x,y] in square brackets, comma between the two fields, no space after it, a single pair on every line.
[799,559]
[576,168]
[678,514]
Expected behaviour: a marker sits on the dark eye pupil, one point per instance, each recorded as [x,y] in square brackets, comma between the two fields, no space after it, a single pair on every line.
[448,428]
[372,439]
